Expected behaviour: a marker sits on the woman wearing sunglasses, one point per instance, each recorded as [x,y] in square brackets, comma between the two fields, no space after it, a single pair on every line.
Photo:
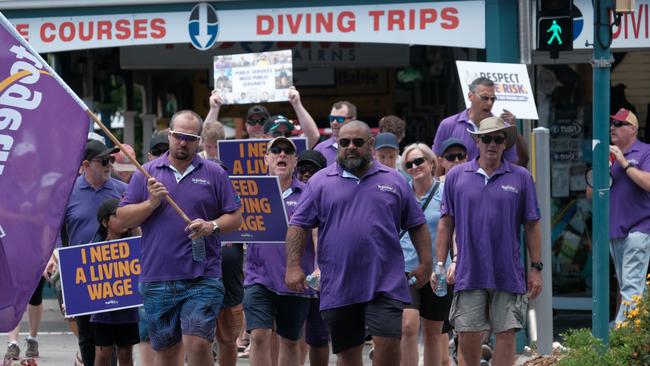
[419,162]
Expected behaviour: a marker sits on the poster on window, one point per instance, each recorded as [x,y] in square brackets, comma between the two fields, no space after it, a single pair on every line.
[254,77]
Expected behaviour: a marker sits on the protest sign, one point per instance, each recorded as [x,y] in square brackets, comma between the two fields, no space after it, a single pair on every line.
[246,157]
[254,77]
[511,86]
[263,211]
[100,277]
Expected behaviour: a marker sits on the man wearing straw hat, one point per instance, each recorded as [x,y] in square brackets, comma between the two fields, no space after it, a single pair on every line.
[180,280]
[486,201]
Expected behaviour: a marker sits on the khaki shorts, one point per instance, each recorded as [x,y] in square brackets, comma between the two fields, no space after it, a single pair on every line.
[482,310]
[229,323]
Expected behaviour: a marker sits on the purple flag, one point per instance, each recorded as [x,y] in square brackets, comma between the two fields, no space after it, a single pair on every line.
[43,128]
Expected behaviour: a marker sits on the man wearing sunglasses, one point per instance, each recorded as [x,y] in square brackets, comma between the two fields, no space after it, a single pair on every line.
[341,113]
[181,287]
[92,187]
[482,97]
[629,215]
[359,206]
[486,201]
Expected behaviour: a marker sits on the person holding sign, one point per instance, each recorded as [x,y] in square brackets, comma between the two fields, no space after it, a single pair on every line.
[181,288]
[341,113]
[359,206]
[267,299]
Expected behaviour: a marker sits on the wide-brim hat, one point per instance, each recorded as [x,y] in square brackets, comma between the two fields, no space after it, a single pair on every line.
[494,124]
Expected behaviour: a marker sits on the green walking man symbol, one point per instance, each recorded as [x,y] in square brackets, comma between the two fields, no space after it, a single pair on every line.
[556,29]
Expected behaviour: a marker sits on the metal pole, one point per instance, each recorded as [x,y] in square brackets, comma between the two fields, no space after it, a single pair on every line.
[541,167]
[601,73]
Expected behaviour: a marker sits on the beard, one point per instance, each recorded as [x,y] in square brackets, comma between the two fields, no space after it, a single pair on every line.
[182,154]
[355,164]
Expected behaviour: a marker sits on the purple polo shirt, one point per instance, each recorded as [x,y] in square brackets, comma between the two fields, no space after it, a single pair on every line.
[81,211]
[328,150]
[359,253]
[456,126]
[266,264]
[629,204]
[205,193]
[488,216]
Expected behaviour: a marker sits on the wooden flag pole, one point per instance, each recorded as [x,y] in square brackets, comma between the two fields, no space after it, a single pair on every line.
[135,162]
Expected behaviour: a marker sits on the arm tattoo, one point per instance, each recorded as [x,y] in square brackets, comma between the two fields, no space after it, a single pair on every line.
[295,241]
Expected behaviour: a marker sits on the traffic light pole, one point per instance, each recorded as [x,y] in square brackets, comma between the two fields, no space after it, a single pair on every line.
[601,63]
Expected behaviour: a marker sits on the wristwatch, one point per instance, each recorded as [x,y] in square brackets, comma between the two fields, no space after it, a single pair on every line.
[215,227]
[537,265]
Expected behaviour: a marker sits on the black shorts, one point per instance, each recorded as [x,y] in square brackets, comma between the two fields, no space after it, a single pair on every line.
[121,335]
[430,306]
[348,325]
[37,296]
[232,273]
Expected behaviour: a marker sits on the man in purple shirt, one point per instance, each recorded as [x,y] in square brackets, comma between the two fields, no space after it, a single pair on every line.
[341,113]
[629,215]
[267,299]
[180,283]
[486,201]
[359,207]
[482,97]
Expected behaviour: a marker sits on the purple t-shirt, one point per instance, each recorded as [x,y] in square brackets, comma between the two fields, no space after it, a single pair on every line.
[328,149]
[488,215]
[358,222]
[205,193]
[629,204]
[456,126]
[266,264]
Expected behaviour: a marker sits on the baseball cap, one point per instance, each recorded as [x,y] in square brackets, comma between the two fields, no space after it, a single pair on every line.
[107,208]
[157,139]
[258,110]
[386,139]
[452,142]
[278,139]
[625,115]
[122,162]
[314,157]
[272,124]
[96,149]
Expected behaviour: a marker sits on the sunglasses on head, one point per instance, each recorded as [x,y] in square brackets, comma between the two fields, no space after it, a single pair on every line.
[452,157]
[307,168]
[256,121]
[416,162]
[618,124]
[358,142]
[289,150]
[487,139]
[337,119]
[104,161]
[182,136]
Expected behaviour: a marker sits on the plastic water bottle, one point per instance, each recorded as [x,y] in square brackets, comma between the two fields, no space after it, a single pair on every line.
[313,281]
[198,249]
[441,280]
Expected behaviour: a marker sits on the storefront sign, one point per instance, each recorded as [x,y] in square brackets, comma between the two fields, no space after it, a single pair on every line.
[453,24]
[633,32]
[571,129]
[511,86]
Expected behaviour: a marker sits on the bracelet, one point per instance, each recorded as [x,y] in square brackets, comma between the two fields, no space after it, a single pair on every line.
[628,167]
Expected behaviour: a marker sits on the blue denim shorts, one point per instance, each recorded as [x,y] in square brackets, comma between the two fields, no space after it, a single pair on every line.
[183,307]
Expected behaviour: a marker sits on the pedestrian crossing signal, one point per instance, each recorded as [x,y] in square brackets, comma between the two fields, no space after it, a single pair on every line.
[555,34]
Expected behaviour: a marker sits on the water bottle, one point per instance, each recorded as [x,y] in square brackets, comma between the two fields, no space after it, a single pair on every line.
[198,249]
[313,281]
[441,280]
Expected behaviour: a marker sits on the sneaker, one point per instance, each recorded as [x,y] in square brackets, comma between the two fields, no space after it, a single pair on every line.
[486,352]
[13,352]
[245,353]
[32,348]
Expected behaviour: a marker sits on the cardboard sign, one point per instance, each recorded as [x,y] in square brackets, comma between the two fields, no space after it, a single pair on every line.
[246,157]
[263,211]
[511,86]
[100,277]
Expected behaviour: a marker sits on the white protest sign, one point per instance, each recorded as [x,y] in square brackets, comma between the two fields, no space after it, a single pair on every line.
[254,77]
[511,86]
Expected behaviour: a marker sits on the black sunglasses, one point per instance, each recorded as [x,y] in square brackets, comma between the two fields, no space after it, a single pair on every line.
[337,119]
[485,98]
[487,139]
[256,121]
[104,161]
[358,142]
[158,150]
[452,157]
[289,150]
[416,162]
[181,136]
[618,124]
[307,168]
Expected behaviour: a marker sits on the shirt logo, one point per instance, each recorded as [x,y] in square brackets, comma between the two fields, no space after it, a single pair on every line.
[509,188]
[291,203]
[386,188]
[200,181]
